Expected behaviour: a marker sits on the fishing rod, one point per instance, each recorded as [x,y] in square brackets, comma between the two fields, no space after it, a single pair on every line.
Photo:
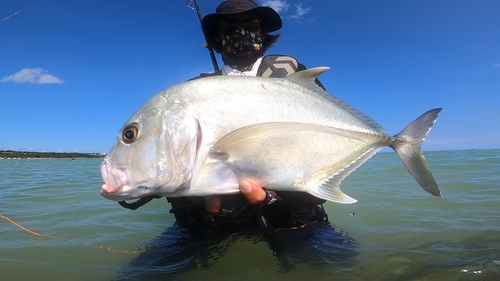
[20,11]
[193,4]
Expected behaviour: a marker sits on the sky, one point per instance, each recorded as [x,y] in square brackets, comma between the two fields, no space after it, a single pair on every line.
[72,72]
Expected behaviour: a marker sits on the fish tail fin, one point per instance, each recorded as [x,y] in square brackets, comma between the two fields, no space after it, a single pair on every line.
[408,144]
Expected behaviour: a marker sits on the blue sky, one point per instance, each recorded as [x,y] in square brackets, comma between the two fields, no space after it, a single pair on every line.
[72,72]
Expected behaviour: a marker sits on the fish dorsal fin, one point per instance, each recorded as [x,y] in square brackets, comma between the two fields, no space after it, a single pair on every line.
[329,189]
[306,78]
[241,142]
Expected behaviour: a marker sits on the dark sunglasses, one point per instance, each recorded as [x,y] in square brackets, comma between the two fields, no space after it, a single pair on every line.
[248,24]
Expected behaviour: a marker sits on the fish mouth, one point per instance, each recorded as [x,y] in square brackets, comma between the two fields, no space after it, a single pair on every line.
[125,192]
[117,184]
[116,196]
[114,178]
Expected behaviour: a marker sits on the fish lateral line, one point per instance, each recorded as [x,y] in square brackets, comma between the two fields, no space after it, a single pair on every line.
[242,141]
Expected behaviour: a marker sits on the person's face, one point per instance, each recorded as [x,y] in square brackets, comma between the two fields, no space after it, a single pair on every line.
[248,21]
[240,37]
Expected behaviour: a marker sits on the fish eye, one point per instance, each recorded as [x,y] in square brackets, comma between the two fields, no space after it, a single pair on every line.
[130,133]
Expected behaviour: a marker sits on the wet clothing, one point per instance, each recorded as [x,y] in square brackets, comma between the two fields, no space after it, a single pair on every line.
[286,209]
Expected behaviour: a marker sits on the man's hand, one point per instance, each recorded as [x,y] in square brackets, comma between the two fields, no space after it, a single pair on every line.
[252,192]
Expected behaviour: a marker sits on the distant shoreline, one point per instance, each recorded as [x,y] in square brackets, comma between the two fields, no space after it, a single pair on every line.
[10,154]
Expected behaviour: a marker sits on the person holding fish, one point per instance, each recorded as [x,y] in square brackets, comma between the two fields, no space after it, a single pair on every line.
[213,158]
[239,32]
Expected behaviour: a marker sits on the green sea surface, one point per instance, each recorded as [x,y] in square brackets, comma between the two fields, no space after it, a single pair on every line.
[396,230]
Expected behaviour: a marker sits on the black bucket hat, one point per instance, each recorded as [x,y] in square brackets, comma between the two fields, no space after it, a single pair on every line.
[267,15]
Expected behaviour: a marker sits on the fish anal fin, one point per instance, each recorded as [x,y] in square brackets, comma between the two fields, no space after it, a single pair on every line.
[331,192]
[329,189]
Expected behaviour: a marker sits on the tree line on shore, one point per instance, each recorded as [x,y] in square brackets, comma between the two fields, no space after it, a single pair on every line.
[12,154]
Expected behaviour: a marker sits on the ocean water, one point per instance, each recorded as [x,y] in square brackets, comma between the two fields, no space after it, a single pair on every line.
[396,231]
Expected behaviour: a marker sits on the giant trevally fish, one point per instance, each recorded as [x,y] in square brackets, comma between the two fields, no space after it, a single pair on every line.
[201,137]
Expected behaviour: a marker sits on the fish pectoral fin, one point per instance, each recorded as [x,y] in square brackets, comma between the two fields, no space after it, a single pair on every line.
[243,141]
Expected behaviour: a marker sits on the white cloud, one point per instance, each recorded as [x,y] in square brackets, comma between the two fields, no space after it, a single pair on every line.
[277,5]
[282,6]
[300,11]
[33,76]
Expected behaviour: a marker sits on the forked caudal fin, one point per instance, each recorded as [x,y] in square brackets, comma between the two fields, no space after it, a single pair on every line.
[411,154]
